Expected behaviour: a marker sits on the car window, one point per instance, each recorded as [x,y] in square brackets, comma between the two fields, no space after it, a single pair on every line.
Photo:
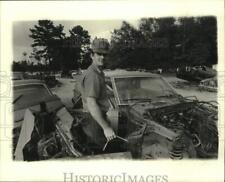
[28,95]
[134,88]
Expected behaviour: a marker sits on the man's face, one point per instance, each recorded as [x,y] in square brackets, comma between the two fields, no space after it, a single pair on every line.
[98,59]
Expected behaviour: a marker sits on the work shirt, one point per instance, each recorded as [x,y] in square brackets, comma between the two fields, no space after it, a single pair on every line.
[93,85]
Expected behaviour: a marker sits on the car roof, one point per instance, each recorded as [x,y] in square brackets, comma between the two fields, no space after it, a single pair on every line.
[124,73]
[27,82]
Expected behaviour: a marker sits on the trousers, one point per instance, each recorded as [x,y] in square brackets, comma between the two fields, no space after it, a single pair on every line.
[94,132]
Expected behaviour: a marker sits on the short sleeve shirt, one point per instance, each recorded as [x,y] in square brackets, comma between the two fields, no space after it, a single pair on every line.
[93,85]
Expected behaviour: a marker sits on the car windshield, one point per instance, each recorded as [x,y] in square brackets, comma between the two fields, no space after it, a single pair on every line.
[132,89]
[28,95]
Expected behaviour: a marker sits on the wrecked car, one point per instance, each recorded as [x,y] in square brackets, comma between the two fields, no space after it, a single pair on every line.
[18,75]
[196,73]
[149,118]
[209,84]
[158,122]
[38,132]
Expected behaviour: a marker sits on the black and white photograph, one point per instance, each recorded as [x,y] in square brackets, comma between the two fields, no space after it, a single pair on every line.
[145,89]
[121,91]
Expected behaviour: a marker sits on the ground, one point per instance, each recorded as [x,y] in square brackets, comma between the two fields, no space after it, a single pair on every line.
[65,91]
[186,88]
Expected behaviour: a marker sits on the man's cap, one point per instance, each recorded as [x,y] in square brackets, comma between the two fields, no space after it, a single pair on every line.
[100,45]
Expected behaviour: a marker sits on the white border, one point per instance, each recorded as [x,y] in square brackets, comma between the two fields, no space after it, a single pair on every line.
[98,10]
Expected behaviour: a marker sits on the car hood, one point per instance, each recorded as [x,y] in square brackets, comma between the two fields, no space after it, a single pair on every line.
[141,107]
[53,103]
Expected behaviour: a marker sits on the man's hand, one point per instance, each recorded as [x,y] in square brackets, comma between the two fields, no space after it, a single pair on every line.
[96,113]
[109,133]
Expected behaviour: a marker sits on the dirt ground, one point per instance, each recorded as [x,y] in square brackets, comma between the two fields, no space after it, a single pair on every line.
[65,90]
[185,88]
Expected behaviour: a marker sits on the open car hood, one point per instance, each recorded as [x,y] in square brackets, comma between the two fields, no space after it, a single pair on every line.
[141,107]
[53,103]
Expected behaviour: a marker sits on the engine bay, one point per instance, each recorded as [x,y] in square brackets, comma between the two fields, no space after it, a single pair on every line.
[195,126]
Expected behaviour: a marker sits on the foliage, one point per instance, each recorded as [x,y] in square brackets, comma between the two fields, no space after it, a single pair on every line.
[164,43]
[76,48]
[46,37]
[55,49]
[155,43]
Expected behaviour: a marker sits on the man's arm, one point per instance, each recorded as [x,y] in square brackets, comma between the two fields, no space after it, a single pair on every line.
[97,115]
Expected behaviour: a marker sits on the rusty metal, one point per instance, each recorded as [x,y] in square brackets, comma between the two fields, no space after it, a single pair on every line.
[123,139]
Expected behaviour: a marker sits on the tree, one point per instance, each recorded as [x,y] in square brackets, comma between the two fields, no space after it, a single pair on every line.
[209,32]
[47,38]
[124,43]
[81,40]
[35,54]
[58,51]
[75,48]
[25,57]
[148,46]
[20,66]
[159,38]
[165,43]
[198,40]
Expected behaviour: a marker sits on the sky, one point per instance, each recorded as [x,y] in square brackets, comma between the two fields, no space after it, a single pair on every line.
[99,28]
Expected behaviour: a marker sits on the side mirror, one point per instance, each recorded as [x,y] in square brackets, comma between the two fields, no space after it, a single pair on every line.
[113,118]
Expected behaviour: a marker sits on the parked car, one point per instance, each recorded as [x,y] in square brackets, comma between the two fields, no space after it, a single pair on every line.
[57,76]
[50,80]
[75,73]
[166,125]
[196,73]
[17,75]
[149,118]
[209,84]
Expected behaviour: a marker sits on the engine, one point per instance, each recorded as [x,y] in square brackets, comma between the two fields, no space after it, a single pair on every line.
[196,126]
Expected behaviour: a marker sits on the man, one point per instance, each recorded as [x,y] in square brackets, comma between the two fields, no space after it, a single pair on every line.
[94,97]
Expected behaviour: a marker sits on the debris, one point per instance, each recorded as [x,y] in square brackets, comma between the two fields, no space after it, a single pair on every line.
[25,134]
